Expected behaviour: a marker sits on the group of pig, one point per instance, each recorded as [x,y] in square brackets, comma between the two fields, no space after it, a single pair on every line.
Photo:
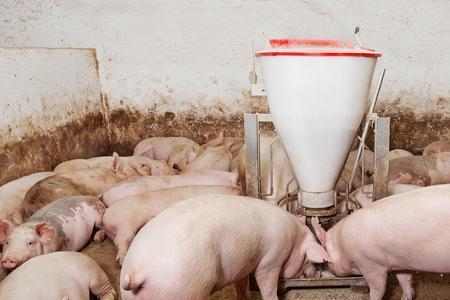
[183,231]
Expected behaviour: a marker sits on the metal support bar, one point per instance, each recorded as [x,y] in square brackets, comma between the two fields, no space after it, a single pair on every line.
[251,128]
[381,148]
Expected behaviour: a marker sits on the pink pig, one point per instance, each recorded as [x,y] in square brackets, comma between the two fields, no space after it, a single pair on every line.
[401,233]
[124,219]
[175,150]
[64,225]
[58,276]
[208,242]
[154,183]
[212,159]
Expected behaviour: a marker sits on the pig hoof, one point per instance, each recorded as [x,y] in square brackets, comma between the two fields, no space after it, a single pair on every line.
[99,236]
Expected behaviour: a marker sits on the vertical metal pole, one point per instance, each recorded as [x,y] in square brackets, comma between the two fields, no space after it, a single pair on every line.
[251,127]
[381,171]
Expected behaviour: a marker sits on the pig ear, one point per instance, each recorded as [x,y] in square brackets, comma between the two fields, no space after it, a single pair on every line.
[320,232]
[115,162]
[315,253]
[5,229]
[45,232]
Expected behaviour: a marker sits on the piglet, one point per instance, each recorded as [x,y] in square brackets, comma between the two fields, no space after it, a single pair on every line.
[397,153]
[64,225]
[124,219]
[212,159]
[401,233]
[13,193]
[211,241]
[128,165]
[437,147]
[154,183]
[421,170]
[174,150]
[58,276]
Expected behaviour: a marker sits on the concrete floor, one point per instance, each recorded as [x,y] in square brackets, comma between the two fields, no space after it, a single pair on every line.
[428,286]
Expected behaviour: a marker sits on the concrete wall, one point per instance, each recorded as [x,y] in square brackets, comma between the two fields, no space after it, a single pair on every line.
[169,66]
[51,108]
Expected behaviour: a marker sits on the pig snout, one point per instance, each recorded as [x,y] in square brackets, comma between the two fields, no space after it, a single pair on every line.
[9,263]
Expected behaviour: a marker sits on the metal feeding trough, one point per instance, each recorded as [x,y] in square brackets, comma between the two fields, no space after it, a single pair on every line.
[318,95]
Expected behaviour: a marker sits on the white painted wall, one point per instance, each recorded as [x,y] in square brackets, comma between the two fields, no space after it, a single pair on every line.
[44,88]
[182,54]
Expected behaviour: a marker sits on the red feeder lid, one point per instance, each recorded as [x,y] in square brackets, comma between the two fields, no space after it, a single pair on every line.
[293,47]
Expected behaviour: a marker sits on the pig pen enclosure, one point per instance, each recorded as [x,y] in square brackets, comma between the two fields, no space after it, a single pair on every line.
[81,79]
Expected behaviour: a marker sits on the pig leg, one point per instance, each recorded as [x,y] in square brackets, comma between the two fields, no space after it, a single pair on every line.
[101,287]
[376,279]
[405,280]
[267,280]
[123,240]
[242,289]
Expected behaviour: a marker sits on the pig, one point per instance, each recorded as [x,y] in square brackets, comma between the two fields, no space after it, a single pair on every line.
[129,165]
[235,237]
[91,182]
[175,150]
[154,183]
[283,176]
[13,193]
[397,153]
[124,219]
[363,195]
[421,170]
[359,179]
[212,159]
[400,233]
[58,276]
[437,147]
[234,144]
[63,225]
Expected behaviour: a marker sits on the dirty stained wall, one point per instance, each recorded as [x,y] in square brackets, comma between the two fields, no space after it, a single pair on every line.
[181,67]
[51,107]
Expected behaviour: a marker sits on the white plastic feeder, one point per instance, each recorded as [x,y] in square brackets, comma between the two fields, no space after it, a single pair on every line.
[317,92]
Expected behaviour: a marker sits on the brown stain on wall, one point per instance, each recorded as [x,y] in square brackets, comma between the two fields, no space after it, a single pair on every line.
[37,151]
[89,136]
[411,131]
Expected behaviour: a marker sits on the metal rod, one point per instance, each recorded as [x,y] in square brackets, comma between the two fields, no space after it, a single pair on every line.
[365,130]
[271,169]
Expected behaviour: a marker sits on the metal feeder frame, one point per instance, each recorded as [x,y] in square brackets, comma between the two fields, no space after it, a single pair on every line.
[253,186]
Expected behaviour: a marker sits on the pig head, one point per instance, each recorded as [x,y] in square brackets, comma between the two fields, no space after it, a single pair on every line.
[25,241]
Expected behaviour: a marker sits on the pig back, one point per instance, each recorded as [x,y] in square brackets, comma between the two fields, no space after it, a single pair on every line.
[47,191]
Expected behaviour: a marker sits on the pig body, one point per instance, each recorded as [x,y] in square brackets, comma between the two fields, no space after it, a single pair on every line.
[364,197]
[401,233]
[64,225]
[58,276]
[212,159]
[154,183]
[129,165]
[397,153]
[437,147]
[124,219]
[175,150]
[359,179]
[13,193]
[283,176]
[421,170]
[91,182]
[236,236]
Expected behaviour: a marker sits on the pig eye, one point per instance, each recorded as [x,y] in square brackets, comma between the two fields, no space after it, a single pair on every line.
[175,166]
[30,243]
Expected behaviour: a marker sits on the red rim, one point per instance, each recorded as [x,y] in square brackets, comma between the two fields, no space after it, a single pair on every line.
[280,53]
